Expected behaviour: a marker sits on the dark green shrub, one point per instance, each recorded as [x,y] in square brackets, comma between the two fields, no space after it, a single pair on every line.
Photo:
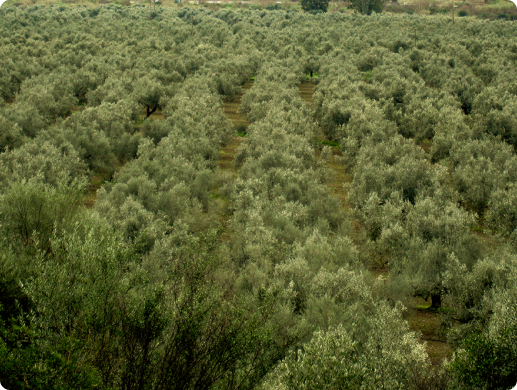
[274,7]
[242,129]
[487,362]
[368,6]
[314,5]
[32,366]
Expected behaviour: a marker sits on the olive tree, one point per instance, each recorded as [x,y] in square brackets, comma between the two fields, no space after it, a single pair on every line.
[386,167]
[11,136]
[149,93]
[32,211]
[480,168]
[487,356]
[387,358]
[315,5]
[501,215]
[433,230]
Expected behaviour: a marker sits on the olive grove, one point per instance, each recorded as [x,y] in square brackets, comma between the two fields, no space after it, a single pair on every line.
[130,259]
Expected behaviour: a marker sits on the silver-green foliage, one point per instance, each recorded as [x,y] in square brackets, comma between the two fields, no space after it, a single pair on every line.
[170,181]
[11,136]
[40,161]
[40,186]
[280,192]
[386,358]
[487,351]
[139,297]
[480,168]
[432,231]
[502,212]
[262,97]
[155,322]
[395,165]
[31,211]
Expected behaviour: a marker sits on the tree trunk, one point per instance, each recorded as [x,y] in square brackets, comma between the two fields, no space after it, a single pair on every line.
[436,301]
[150,111]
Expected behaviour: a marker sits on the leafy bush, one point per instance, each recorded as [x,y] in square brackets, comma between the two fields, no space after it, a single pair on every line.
[33,211]
[481,167]
[478,364]
[40,161]
[392,166]
[501,214]
[11,136]
[336,359]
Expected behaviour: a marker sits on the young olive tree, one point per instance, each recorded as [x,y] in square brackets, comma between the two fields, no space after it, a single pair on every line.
[11,136]
[396,165]
[501,215]
[434,230]
[480,168]
[32,211]
[40,188]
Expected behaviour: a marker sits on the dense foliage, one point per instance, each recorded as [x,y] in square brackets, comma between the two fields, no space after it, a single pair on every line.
[368,6]
[315,5]
[179,274]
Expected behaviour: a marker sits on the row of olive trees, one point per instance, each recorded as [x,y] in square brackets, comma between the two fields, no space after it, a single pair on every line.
[418,216]
[293,232]
[136,293]
[90,91]
[145,283]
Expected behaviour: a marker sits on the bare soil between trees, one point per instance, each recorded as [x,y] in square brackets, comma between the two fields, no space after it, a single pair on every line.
[238,119]
[428,323]
[228,153]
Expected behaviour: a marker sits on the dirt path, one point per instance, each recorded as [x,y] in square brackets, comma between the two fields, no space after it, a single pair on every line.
[339,177]
[338,174]
[95,183]
[307,91]
[428,323]
[231,109]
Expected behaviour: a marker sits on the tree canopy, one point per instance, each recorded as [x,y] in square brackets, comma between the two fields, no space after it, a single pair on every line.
[174,215]
[314,5]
